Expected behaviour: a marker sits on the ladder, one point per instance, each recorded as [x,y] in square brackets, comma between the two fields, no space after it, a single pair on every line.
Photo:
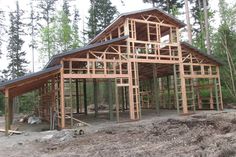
[135,86]
[218,94]
[178,93]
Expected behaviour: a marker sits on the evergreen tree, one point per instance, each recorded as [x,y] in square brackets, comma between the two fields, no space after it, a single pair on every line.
[66,8]
[64,29]
[189,29]
[199,29]
[224,47]
[2,29]
[16,56]
[101,13]
[170,6]
[33,31]
[47,10]
[208,43]
[75,27]
[48,42]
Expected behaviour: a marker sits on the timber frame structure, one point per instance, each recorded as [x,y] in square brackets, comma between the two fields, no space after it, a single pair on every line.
[136,48]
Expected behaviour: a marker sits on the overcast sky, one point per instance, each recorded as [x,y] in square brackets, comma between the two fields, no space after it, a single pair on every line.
[83,6]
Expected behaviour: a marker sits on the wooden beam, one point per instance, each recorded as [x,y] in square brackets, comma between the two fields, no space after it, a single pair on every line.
[7,123]
[183,89]
[156,89]
[85,97]
[117,104]
[168,91]
[216,95]
[77,95]
[62,94]
[123,99]
[176,88]
[71,103]
[95,97]
[96,76]
[110,102]
[10,99]
[220,91]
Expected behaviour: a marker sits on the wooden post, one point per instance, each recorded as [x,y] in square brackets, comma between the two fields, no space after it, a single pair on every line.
[220,92]
[95,94]
[85,97]
[176,88]
[58,99]
[211,95]
[117,103]
[168,92]
[71,96]
[62,96]
[123,99]
[183,89]
[53,94]
[10,110]
[216,95]
[126,99]
[193,94]
[199,99]
[110,102]
[131,96]
[156,89]
[77,95]
[7,126]
[71,103]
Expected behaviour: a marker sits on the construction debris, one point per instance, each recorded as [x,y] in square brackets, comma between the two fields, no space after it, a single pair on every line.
[11,131]
[212,135]
[34,120]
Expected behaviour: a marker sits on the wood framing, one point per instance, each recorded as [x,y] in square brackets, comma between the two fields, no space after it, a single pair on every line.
[138,46]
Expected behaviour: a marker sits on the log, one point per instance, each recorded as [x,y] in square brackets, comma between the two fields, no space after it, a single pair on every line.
[11,131]
[78,120]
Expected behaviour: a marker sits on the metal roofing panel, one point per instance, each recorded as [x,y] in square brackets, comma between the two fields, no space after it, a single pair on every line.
[88,47]
[25,77]
[180,23]
[211,57]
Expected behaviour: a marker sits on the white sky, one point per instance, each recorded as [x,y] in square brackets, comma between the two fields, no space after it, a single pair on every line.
[83,6]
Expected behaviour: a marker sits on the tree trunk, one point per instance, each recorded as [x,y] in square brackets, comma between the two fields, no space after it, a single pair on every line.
[207,27]
[201,26]
[188,22]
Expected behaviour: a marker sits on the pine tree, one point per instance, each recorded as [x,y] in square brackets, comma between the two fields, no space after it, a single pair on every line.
[224,47]
[16,56]
[33,31]
[101,13]
[47,10]
[48,42]
[199,29]
[75,27]
[207,27]
[64,30]
[66,8]
[2,29]
[189,29]
[170,6]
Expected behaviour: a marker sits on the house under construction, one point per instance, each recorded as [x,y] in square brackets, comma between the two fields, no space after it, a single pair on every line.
[141,53]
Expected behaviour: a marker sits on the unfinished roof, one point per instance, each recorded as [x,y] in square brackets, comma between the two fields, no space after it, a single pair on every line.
[123,16]
[187,46]
[56,58]
[30,80]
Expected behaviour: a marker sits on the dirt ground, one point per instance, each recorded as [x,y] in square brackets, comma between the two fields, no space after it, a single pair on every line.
[205,134]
